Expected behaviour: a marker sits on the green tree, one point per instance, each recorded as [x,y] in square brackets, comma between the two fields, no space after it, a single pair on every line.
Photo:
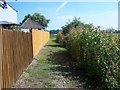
[76,23]
[72,24]
[26,17]
[37,17]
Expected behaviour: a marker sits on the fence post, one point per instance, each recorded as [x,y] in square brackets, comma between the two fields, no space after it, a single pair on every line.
[0,59]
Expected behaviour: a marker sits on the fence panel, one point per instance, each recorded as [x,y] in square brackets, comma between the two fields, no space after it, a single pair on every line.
[39,39]
[16,53]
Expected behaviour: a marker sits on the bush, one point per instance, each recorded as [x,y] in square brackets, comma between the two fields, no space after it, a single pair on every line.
[60,38]
[97,55]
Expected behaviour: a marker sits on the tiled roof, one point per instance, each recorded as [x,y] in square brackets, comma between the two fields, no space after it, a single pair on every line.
[29,24]
[7,23]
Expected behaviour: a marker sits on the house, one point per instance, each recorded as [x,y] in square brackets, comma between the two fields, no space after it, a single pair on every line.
[8,14]
[30,24]
[6,24]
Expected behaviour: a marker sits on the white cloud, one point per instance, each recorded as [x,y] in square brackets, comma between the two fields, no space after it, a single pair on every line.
[112,12]
[105,19]
[61,6]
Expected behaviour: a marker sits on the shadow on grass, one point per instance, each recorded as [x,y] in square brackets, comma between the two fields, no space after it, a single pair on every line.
[68,69]
[55,45]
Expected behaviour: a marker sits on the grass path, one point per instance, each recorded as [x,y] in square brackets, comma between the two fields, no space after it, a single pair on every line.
[49,70]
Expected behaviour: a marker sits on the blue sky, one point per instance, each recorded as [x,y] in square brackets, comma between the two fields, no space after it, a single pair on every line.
[104,14]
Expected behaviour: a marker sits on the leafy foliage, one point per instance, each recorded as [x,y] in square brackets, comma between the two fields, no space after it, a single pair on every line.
[54,31]
[26,17]
[59,37]
[38,18]
[75,23]
[96,54]
[95,51]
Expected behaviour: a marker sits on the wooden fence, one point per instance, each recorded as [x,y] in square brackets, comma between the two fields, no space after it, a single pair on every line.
[16,53]
[39,39]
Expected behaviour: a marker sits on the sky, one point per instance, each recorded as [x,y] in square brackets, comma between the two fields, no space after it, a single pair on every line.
[104,14]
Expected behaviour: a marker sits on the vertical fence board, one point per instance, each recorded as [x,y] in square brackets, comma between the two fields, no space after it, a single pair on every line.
[17,55]
[39,39]
[17,50]
[1,59]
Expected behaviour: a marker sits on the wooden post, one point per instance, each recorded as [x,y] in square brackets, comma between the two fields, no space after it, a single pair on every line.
[0,59]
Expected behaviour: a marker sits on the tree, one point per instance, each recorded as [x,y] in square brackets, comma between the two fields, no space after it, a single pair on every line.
[72,24]
[37,17]
[55,31]
[26,17]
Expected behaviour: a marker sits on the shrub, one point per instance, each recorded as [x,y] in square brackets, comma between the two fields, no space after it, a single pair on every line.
[97,55]
[59,37]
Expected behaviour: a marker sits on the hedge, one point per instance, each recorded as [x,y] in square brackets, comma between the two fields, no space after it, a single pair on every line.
[98,54]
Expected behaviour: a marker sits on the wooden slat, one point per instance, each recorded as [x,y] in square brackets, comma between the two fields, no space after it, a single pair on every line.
[39,39]
[17,50]
[1,59]
[17,55]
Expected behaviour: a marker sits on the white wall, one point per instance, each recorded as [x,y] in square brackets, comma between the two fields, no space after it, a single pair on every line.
[8,14]
[25,30]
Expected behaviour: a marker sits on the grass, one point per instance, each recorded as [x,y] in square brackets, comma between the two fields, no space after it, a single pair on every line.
[52,68]
[44,69]
[49,85]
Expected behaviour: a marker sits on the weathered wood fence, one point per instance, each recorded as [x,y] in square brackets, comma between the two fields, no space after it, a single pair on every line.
[17,50]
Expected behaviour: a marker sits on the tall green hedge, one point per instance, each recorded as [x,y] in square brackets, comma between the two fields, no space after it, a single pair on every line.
[97,54]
